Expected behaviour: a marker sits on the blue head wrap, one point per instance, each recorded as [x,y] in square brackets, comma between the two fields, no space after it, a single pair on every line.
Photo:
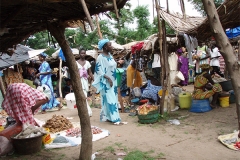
[101,43]
[43,54]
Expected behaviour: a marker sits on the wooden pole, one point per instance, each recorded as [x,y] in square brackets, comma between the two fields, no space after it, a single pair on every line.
[87,14]
[60,81]
[183,9]
[153,8]
[161,108]
[2,87]
[115,8]
[226,50]
[57,30]
[98,28]
[167,6]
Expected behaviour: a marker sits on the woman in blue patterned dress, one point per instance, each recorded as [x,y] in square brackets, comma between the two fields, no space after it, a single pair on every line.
[106,83]
[45,78]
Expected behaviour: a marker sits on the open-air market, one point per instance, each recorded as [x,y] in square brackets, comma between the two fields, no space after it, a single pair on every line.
[100,79]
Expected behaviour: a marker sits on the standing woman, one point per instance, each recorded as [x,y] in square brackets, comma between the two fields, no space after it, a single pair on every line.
[183,67]
[45,73]
[106,83]
[86,75]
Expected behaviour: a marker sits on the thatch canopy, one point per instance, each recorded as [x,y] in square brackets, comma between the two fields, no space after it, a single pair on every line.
[229,15]
[176,21]
[22,18]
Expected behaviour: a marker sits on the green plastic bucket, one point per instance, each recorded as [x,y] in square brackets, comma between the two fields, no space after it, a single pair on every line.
[119,72]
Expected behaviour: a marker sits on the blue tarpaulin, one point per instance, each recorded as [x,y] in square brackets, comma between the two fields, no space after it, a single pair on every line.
[233,32]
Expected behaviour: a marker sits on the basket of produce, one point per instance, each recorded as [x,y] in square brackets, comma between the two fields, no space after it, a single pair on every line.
[147,114]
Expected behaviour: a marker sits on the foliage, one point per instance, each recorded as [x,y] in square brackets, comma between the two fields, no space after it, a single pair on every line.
[50,51]
[144,28]
[169,30]
[38,41]
[136,155]
[125,17]
[198,5]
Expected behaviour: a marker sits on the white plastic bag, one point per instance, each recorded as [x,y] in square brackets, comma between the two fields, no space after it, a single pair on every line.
[180,76]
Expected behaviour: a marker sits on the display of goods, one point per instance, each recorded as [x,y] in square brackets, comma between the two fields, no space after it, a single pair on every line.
[77,131]
[73,132]
[58,123]
[146,108]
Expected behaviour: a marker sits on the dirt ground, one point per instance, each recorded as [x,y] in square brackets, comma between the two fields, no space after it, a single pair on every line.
[194,138]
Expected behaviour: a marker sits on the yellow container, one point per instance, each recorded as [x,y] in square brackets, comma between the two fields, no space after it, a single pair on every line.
[224,101]
[185,100]
[161,92]
[1,128]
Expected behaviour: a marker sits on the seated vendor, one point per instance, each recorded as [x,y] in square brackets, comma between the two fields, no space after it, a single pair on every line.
[67,88]
[21,102]
[153,86]
[204,86]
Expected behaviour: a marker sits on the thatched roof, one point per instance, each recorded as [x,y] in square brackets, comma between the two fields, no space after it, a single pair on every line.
[229,15]
[22,18]
[176,21]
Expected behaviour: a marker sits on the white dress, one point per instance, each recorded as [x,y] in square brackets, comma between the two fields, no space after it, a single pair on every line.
[84,81]
[173,66]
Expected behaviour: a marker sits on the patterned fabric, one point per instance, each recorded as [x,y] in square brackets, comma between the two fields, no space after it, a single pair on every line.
[199,88]
[130,77]
[18,102]
[151,91]
[105,65]
[47,80]
[83,75]
[183,67]
[10,76]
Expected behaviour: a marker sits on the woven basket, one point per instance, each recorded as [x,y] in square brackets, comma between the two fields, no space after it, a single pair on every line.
[151,117]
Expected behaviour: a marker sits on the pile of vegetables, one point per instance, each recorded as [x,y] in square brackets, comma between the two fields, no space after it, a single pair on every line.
[146,108]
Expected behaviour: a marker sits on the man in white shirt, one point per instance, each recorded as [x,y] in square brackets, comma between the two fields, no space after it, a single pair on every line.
[214,63]
[156,66]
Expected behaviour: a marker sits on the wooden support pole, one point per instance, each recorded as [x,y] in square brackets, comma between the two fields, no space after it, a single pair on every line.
[98,28]
[183,9]
[60,81]
[161,108]
[57,30]
[115,8]
[87,14]
[2,87]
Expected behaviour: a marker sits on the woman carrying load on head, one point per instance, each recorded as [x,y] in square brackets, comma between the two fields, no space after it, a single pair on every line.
[204,87]
[106,83]
[86,75]
[45,73]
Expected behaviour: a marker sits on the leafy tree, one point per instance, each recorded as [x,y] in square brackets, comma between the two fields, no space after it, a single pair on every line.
[198,5]
[125,17]
[144,28]
[169,30]
[38,41]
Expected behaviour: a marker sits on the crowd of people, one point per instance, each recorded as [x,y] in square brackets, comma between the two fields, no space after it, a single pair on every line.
[23,100]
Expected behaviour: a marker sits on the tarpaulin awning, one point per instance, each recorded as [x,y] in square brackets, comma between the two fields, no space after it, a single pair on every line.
[233,32]
[21,54]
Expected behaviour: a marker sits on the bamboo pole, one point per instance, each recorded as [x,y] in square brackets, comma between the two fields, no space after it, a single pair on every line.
[60,81]
[87,14]
[115,8]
